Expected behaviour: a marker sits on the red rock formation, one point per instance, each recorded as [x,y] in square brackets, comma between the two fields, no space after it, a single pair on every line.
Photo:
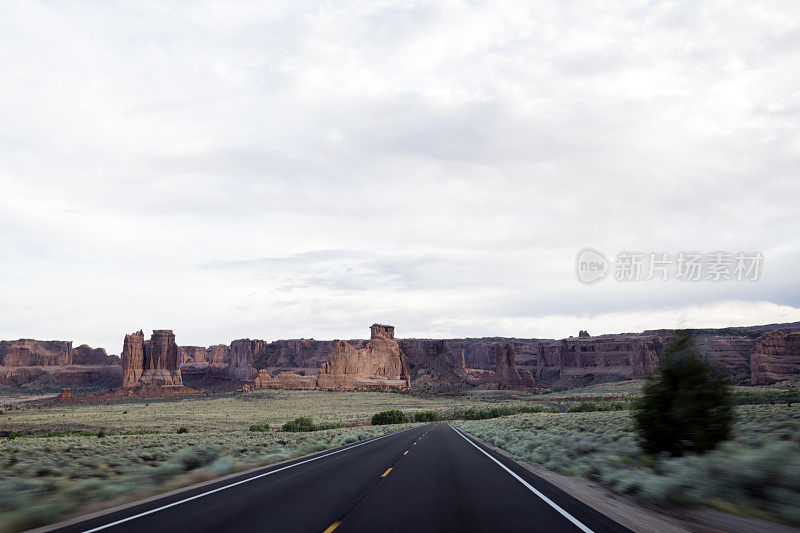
[219,354]
[428,352]
[479,353]
[505,361]
[155,362]
[248,356]
[381,363]
[30,352]
[284,380]
[776,357]
[62,376]
[162,361]
[108,376]
[381,331]
[243,356]
[132,359]
[201,363]
[263,380]
[579,361]
[732,350]
[64,395]
[192,354]
[86,355]
[298,353]
[527,379]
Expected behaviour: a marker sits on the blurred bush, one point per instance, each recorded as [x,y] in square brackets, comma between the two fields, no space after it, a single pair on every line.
[686,405]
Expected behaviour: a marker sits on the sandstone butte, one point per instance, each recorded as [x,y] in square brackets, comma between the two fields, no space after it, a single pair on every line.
[758,354]
[64,395]
[151,363]
[380,364]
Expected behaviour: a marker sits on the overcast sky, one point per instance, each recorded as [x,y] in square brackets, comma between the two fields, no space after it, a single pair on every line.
[280,170]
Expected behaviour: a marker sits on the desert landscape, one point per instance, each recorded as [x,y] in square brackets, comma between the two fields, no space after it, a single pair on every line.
[185,414]
[399,266]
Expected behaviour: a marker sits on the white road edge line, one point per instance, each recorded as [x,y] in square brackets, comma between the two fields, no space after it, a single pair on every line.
[547,500]
[196,496]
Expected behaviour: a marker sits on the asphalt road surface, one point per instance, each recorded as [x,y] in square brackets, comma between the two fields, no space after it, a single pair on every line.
[429,478]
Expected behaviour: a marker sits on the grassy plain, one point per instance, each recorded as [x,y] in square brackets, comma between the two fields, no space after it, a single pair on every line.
[240,410]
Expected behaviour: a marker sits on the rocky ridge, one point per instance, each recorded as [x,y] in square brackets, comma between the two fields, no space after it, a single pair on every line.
[759,354]
[775,357]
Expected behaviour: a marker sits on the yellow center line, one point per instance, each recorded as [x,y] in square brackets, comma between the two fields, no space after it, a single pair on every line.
[384,475]
[415,444]
[332,527]
[405,452]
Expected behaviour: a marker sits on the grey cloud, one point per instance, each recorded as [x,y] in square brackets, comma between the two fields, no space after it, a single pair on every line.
[305,167]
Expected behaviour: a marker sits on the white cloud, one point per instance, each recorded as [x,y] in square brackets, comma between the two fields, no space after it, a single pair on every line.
[158,160]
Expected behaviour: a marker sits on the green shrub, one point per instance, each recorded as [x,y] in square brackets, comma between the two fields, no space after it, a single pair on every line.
[182,430]
[688,406]
[496,412]
[301,423]
[389,417]
[788,397]
[306,423]
[584,407]
[593,407]
[427,416]
[259,428]
[195,457]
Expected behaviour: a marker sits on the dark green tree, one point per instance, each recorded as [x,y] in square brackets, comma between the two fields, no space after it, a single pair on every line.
[687,404]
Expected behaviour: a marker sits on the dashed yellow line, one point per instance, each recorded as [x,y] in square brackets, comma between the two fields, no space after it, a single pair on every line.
[415,444]
[405,452]
[332,527]
[384,475]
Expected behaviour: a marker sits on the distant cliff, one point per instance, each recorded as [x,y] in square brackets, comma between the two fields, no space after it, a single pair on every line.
[56,364]
[757,354]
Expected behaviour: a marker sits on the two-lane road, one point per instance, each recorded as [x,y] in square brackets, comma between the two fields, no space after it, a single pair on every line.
[429,478]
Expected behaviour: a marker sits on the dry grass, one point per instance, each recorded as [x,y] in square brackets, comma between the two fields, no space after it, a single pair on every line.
[240,410]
